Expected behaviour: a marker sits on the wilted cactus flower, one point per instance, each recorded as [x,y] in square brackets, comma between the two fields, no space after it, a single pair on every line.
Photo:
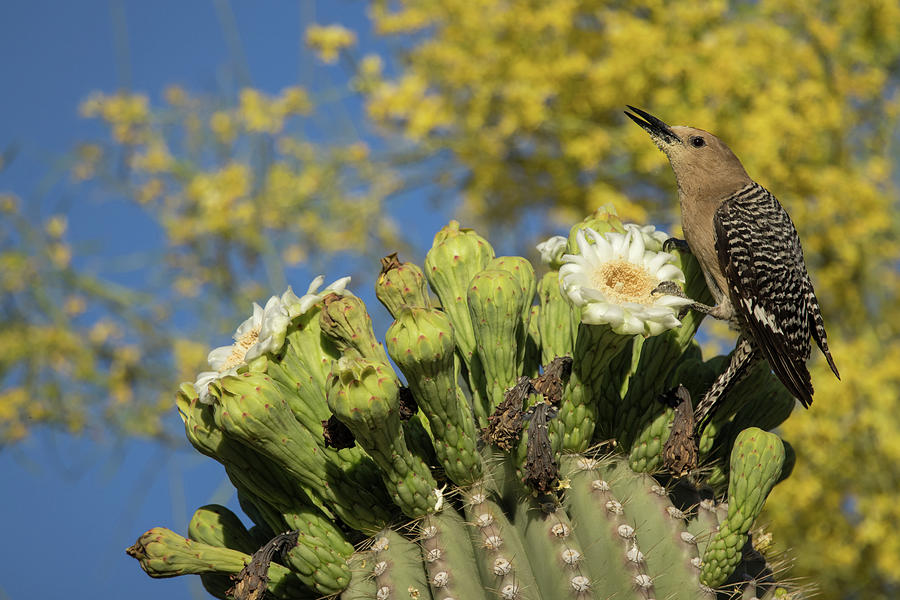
[262,333]
[613,277]
[552,251]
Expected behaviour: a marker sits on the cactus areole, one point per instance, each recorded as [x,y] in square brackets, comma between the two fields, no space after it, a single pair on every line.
[514,453]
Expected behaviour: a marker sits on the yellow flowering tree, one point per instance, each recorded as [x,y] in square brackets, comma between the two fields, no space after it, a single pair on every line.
[239,194]
[514,107]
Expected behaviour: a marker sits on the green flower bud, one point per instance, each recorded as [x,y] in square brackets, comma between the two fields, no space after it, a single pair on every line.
[246,468]
[602,220]
[455,257]
[164,553]
[400,284]
[346,322]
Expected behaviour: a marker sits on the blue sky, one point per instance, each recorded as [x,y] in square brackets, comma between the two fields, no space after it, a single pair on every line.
[72,506]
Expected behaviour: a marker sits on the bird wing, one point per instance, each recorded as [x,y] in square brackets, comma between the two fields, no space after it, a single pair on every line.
[760,255]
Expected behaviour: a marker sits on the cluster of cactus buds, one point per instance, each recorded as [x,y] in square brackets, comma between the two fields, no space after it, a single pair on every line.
[514,453]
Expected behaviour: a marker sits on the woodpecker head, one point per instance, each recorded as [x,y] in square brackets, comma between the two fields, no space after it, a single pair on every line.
[703,164]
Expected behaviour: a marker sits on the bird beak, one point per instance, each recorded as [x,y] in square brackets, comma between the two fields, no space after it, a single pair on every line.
[656,128]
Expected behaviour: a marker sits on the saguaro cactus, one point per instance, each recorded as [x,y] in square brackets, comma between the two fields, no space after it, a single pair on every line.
[472,473]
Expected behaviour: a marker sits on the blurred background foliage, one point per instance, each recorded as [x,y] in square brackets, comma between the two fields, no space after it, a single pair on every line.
[512,111]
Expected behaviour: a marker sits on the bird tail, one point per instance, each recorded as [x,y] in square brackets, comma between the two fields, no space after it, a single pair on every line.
[738,367]
[817,325]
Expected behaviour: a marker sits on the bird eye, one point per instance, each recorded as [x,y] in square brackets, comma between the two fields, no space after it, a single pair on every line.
[697,141]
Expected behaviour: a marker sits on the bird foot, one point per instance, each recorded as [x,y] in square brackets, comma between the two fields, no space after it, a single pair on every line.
[670,288]
[674,243]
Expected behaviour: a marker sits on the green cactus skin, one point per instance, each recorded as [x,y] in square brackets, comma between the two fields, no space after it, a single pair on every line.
[321,554]
[531,361]
[345,320]
[398,569]
[215,525]
[364,395]
[245,467]
[704,524]
[602,529]
[595,347]
[304,366]
[401,284]
[557,556]
[500,553]
[557,321]
[252,410]
[613,386]
[496,302]
[756,462]
[268,518]
[362,579]
[630,522]
[421,343]
[661,532]
[217,584]
[163,553]
[759,400]
[449,557]
[646,451]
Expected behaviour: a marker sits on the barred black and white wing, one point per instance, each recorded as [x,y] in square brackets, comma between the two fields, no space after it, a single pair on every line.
[760,255]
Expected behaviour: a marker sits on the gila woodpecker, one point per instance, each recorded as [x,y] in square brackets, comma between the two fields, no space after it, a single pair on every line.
[750,254]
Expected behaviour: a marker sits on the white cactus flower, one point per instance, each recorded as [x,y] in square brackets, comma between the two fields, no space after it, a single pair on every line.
[262,333]
[612,280]
[298,306]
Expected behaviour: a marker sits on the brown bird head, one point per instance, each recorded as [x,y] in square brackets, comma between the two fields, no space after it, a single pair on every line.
[703,164]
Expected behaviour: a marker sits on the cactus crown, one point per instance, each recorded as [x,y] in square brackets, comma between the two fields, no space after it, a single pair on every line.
[516,454]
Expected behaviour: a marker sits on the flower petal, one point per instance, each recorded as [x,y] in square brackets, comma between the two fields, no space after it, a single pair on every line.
[219,356]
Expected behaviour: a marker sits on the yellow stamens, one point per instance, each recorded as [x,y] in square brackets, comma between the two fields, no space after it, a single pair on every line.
[622,281]
[239,349]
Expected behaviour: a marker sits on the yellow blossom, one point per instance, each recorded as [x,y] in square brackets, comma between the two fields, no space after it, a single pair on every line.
[56,226]
[175,95]
[259,113]
[222,125]
[329,40]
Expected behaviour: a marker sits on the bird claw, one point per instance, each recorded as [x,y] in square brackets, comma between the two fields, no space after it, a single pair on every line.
[669,288]
[674,243]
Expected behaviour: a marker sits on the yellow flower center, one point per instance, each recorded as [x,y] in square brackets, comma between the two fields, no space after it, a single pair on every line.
[239,349]
[622,281]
